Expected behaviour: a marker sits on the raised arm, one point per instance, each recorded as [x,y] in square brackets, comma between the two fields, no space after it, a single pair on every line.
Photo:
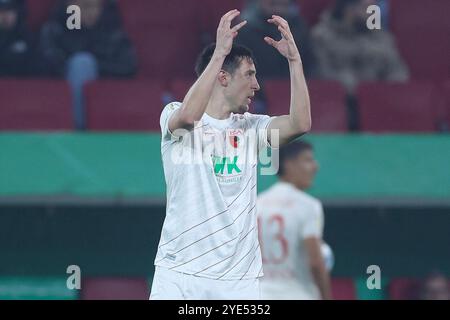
[197,98]
[317,266]
[298,121]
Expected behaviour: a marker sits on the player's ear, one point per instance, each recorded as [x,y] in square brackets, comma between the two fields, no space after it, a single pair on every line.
[223,78]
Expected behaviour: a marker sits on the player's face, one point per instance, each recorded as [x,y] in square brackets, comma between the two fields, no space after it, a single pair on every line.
[242,87]
[305,168]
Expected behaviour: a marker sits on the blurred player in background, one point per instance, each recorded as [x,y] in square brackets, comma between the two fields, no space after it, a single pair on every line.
[290,229]
[209,246]
[435,287]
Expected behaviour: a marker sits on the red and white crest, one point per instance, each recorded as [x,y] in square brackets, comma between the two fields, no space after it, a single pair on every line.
[235,137]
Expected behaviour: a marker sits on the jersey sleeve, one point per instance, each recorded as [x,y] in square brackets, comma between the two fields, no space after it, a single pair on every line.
[312,226]
[167,112]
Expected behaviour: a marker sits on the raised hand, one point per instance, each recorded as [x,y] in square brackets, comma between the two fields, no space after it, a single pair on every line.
[286,45]
[226,34]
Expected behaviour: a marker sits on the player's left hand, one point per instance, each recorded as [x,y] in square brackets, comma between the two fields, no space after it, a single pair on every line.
[286,45]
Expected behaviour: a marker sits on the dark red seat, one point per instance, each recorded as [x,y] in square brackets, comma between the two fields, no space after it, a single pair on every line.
[115,289]
[404,289]
[343,289]
[446,105]
[441,102]
[123,105]
[35,105]
[212,10]
[391,107]
[38,12]
[180,87]
[422,34]
[327,103]
[166,35]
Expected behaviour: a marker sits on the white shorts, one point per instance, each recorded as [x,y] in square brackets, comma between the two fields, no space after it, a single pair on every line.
[173,285]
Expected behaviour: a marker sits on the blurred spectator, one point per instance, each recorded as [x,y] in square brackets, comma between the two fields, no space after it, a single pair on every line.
[99,48]
[15,46]
[349,52]
[435,287]
[270,64]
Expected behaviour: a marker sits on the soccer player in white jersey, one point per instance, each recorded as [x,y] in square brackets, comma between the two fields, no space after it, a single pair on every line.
[209,245]
[290,229]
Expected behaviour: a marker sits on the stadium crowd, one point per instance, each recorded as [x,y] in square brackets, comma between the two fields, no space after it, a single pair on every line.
[119,40]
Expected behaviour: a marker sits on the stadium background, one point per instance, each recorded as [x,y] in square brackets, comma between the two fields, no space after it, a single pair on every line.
[96,198]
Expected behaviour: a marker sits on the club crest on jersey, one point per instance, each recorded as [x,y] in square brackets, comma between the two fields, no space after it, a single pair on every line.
[235,137]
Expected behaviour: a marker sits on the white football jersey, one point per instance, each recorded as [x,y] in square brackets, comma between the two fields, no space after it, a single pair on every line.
[286,216]
[210,227]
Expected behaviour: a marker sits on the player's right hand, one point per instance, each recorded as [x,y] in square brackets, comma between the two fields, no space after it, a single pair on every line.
[226,34]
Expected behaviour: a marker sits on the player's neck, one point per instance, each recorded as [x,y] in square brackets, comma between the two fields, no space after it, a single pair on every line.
[218,107]
[292,183]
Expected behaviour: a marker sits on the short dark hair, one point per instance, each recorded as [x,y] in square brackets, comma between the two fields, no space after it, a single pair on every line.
[290,151]
[232,60]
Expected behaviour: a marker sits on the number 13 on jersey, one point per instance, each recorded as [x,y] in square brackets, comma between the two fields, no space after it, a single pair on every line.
[274,245]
